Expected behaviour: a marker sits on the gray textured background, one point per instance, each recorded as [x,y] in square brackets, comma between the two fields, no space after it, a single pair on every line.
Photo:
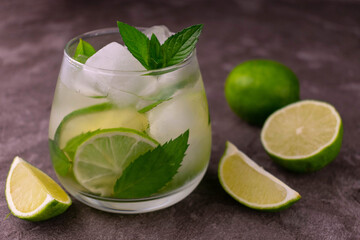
[319,40]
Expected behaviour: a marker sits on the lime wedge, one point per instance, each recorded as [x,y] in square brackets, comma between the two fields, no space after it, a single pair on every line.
[303,136]
[101,159]
[250,184]
[33,195]
[99,116]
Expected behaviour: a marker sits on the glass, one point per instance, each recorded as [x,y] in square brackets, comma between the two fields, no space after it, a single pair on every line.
[158,104]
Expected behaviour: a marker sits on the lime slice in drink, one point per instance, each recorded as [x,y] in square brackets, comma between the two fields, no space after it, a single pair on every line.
[101,159]
[250,184]
[95,117]
[303,136]
[33,195]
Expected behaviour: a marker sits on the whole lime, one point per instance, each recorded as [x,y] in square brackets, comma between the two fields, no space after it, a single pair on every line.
[254,89]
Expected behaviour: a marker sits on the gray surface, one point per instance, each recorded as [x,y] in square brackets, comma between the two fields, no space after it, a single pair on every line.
[319,40]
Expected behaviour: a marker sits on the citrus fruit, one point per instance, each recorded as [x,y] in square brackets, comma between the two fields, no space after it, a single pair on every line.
[100,160]
[99,116]
[303,136]
[256,88]
[250,184]
[33,195]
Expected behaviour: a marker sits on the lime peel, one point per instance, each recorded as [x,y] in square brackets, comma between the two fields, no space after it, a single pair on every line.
[256,88]
[298,104]
[50,207]
[323,153]
[100,116]
[101,173]
[291,195]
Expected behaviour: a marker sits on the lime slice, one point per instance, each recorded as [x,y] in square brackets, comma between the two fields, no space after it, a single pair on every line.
[33,195]
[251,185]
[303,136]
[96,117]
[101,159]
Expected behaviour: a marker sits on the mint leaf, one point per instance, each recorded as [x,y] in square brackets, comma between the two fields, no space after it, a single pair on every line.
[153,170]
[156,56]
[83,51]
[136,42]
[177,47]
[151,54]
[60,162]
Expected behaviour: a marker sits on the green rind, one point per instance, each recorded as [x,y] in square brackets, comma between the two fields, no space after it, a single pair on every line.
[70,149]
[104,133]
[52,209]
[269,209]
[265,209]
[113,130]
[59,160]
[313,163]
[278,208]
[246,89]
[87,110]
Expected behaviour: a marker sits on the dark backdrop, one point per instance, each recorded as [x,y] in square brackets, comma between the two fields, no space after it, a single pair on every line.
[319,40]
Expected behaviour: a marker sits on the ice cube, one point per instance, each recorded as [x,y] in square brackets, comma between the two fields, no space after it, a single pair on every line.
[114,56]
[78,79]
[186,111]
[128,90]
[92,82]
[160,31]
[168,84]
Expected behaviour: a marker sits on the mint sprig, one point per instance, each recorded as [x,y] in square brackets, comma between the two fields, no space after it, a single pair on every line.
[151,54]
[177,47]
[156,53]
[136,42]
[83,51]
[153,170]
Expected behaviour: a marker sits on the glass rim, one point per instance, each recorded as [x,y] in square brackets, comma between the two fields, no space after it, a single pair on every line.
[113,30]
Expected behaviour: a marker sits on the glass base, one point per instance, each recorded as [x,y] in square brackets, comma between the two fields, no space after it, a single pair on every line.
[129,206]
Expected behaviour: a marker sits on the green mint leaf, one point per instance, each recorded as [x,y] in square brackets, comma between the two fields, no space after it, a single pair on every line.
[151,54]
[83,51]
[153,170]
[136,42]
[156,56]
[177,47]
[60,162]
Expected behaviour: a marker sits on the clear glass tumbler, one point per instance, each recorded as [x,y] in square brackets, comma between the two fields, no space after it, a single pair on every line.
[105,126]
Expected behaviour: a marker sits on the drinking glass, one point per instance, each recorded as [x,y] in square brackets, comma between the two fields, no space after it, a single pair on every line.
[102,121]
